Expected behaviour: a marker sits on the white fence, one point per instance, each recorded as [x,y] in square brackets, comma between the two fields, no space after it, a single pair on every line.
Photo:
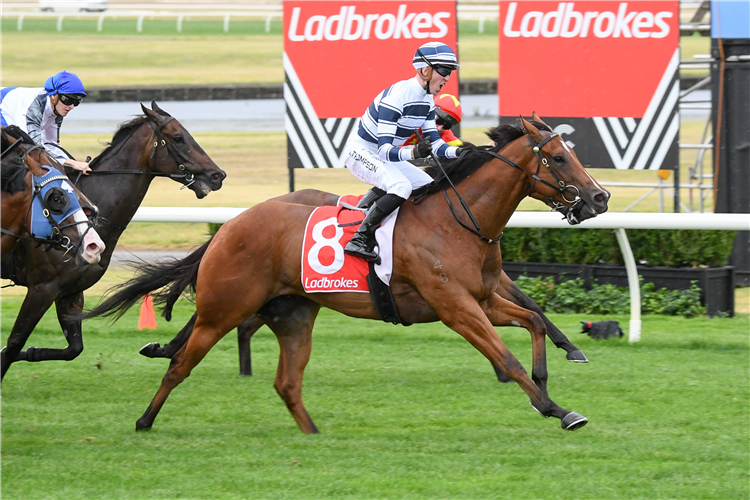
[618,221]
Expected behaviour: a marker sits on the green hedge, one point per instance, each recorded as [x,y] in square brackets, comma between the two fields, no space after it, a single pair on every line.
[671,248]
[571,297]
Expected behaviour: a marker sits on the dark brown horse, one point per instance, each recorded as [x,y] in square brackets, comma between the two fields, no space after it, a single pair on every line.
[25,177]
[441,271]
[153,144]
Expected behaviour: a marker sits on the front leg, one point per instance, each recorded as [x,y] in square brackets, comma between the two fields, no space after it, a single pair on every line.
[35,304]
[67,306]
[502,312]
[508,290]
[461,313]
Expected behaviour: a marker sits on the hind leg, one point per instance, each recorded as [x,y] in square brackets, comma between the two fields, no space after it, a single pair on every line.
[245,332]
[292,321]
[204,336]
[154,350]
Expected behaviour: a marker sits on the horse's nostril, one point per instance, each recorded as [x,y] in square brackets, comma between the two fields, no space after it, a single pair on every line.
[218,176]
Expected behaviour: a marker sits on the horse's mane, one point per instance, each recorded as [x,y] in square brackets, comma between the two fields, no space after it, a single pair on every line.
[474,157]
[13,169]
[123,133]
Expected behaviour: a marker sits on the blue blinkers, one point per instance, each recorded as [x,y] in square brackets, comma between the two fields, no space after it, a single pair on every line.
[40,224]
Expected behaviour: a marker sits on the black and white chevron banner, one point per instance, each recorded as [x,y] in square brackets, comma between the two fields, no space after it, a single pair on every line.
[644,143]
[312,142]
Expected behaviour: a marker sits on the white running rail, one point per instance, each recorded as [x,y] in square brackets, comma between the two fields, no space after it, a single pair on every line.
[619,221]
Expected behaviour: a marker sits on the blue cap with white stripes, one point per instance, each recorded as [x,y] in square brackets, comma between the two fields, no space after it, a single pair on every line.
[435,54]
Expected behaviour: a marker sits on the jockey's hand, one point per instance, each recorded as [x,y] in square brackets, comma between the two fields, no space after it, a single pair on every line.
[423,149]
[78,165]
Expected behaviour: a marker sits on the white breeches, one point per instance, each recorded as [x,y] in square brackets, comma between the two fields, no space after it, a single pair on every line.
[399,178]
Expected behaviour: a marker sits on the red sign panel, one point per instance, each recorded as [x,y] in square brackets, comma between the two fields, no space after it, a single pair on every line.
[338,55]
[601,60]
[584,59]
[344,53]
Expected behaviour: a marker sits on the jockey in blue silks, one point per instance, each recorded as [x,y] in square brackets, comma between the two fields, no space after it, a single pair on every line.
[40,112]
[373,154]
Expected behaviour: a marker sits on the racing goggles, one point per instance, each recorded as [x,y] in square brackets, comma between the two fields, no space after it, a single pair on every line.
[69,99]
[443,71]
[444,119]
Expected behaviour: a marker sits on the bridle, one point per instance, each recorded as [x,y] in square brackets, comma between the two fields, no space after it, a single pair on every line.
[187,175]
[561,187]
[542,160]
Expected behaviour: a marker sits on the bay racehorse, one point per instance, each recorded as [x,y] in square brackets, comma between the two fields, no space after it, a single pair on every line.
[40,204]
[443,269]
[506,288]
[153,144]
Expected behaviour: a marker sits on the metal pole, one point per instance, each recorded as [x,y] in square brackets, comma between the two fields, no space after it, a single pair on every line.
[634,334]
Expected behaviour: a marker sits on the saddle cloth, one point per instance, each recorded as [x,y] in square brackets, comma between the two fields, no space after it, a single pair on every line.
[325,266]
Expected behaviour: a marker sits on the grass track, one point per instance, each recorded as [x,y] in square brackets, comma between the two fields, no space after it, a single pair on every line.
[404,413]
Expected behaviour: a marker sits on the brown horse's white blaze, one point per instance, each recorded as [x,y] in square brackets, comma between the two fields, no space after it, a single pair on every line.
[92,245]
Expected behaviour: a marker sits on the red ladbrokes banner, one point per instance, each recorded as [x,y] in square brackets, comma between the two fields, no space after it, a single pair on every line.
[338,55]
[604,74]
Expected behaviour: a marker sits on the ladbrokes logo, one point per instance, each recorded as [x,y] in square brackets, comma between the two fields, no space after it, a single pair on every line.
[567,22]
[348,25]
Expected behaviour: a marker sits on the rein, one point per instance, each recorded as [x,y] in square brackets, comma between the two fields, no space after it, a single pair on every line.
[541,160]
[188,176]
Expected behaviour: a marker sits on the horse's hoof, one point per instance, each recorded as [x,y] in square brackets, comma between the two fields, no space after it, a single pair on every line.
[573,421]
[149,350]
[577,356]
[142,426]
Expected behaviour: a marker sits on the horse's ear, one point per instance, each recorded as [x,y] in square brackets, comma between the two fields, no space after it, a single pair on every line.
[35,166]
[536,118]
[531,130]
[156,108]
[151,114]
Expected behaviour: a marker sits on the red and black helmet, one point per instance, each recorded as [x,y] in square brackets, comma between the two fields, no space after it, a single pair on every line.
[448,110]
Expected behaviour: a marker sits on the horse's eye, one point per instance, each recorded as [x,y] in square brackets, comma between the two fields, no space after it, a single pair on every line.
[559,159]
[178,138]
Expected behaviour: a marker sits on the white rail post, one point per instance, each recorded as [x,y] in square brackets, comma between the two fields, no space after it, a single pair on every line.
[226,23]
[20,23]
[634,334]
[481,24]
[139,24]
[179,23]
[59,22]
[268,23]
[100,23]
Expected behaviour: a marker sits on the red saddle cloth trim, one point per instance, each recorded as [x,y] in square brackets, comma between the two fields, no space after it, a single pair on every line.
[325,266]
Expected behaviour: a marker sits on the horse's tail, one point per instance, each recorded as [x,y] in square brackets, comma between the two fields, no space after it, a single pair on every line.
[173,276]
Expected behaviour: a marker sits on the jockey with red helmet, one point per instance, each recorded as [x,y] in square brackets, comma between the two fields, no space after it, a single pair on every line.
[448,114]
[374,153]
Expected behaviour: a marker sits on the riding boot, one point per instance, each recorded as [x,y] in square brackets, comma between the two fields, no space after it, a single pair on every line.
[362,243]
[370,197]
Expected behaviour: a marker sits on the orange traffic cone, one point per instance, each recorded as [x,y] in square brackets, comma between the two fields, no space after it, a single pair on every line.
[147,318]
